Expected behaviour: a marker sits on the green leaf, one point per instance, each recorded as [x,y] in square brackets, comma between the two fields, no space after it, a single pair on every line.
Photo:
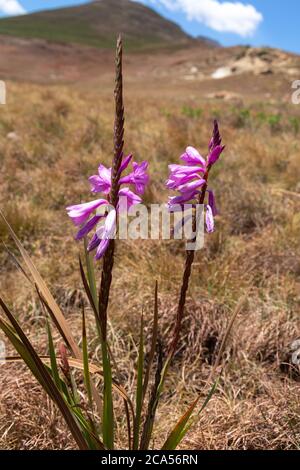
[139,389]
[19,346]
[107,409]
[108,412]
[153,341]
[85,357]
[185,422]
[90,297]
[54,368]
[90,273]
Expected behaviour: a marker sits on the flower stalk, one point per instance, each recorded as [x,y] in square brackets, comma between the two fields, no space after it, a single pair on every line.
[192,187]
[108,260]
[181,178]
[190,256]
[101,214]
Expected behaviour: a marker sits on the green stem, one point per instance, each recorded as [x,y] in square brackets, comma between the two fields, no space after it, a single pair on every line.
[91,273]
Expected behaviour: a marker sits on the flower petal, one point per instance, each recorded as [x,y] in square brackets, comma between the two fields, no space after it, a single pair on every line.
[215,154]
[209,219]
[95,241]
[191,185]
[182,199]
[101,183]
[138,177]
[131,199]
[178,179]
[212,202]
[184,169]
[102,248]
[88,227]
[80,212]
[125,163]
[193,157]
[110,225]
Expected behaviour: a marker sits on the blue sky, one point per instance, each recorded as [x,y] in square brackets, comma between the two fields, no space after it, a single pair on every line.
[258,22]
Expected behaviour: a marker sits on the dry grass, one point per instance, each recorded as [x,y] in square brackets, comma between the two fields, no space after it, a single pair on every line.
[60,136]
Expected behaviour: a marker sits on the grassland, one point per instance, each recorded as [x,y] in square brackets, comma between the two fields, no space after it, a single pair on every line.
[51,140]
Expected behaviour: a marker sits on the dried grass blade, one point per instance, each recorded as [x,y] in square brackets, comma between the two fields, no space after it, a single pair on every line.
[44,290]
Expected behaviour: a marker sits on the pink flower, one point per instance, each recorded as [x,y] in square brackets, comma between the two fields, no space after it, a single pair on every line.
[191,179]
[138,177]
[180,200]
[98,213]
[129,197]
[125,163]
[81,212]
[180,175]
[101,183]
[191,186]
[193,157]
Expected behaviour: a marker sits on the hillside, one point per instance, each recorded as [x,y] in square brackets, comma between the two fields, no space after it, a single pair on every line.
[97,23]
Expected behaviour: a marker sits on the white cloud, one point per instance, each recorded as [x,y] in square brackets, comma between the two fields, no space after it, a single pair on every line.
[230,17]
[11,7]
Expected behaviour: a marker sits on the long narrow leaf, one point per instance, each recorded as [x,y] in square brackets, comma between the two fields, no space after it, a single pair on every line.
[52,354]
[108,411]
[139,389]
[182,426]
[153,341]
[204,405]
[185,423]
[20,348]
[91,273]
[90,297]
[16,262]
[79,365]
[85,356]
[46,308]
